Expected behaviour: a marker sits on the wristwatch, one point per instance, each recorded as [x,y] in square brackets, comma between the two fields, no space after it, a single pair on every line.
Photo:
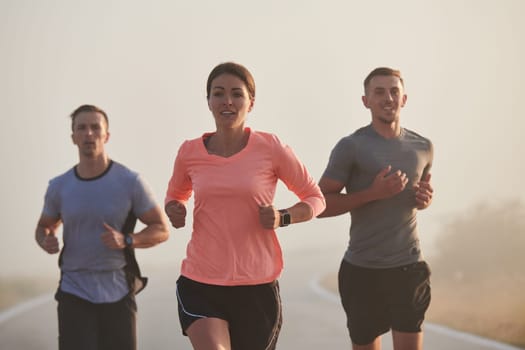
[128,240]
[285,219]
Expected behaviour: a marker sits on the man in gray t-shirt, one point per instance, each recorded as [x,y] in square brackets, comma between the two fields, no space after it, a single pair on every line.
[385,171]
[98,202]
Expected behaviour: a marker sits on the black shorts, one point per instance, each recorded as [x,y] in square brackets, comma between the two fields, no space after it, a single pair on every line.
[377,300]
[253,313]
[83,325]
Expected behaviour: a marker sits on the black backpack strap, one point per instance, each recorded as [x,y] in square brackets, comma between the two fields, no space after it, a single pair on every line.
[136,281]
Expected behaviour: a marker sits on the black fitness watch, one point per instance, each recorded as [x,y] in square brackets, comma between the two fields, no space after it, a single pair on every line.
[284,219]
[128,240]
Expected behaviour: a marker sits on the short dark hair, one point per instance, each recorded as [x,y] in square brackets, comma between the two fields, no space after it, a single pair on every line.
[234,69]
[382,71]
[87,108]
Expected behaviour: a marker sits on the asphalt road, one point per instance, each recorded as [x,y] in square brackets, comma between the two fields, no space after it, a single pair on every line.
[313,317]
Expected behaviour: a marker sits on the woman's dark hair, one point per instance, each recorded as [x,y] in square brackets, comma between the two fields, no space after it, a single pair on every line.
[234,69]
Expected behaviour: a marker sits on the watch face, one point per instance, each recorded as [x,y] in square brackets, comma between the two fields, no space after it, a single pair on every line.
[285,218]
[128,240]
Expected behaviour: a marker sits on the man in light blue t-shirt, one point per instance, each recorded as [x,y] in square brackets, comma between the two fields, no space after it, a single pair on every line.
[385,171]
[98,202]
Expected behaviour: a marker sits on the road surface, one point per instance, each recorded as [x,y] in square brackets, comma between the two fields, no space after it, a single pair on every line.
[313,317]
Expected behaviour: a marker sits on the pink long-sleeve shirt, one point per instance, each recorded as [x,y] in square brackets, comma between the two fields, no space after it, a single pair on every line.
[228,245]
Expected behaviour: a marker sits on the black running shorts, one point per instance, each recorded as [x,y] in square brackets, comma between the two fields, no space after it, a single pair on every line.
[253,312]
[377,300]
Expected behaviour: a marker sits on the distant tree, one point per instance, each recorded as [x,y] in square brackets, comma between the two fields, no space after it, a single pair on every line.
[485,243]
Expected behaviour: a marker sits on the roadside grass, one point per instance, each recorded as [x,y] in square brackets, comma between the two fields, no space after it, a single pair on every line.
[14,290]
[493,309]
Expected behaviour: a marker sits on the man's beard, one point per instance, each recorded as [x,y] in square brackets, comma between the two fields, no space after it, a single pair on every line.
[386,120]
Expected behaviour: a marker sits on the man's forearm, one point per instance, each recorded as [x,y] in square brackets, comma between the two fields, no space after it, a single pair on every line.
[151,235]
[342,203]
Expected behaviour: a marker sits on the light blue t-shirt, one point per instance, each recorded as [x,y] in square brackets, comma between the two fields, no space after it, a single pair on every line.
[383,233]
[90,270]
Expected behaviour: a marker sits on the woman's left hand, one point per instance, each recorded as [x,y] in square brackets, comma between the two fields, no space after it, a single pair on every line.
[269,217]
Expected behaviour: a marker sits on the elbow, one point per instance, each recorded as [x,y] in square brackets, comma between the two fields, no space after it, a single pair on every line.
[165,234]
[322,210]
[162,234]
[323,214]
[158,240]
[314,206]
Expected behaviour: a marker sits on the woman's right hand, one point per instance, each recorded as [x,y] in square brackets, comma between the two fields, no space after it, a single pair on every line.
[176,212]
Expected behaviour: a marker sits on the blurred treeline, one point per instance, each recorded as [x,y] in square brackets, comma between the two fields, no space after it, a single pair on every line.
[485,243]
[478,278]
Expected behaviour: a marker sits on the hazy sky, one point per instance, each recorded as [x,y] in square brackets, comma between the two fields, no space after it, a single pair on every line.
[146,64]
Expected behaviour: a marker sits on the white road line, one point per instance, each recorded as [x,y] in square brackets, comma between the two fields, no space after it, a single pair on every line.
[315,285]
[24,307]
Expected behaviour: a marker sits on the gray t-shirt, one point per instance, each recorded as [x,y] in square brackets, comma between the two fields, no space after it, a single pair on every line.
[91,270]
[383,233]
